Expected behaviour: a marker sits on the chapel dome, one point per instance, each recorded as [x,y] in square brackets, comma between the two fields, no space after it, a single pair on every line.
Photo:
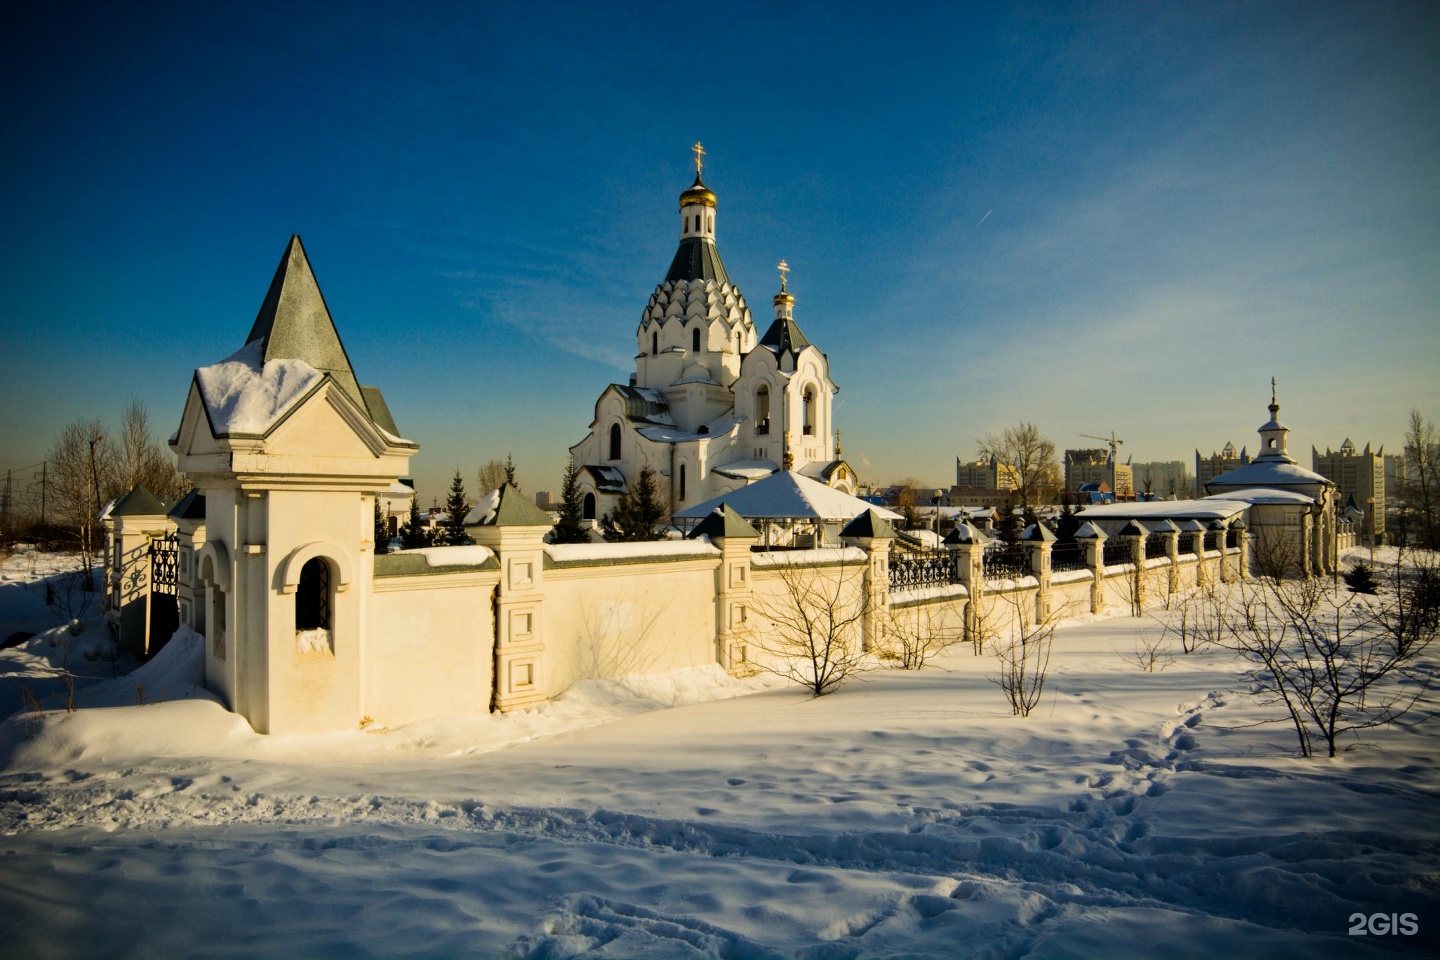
[697,193]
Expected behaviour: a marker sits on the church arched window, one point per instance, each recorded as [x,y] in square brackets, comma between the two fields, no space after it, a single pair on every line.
[682,481]
[809,402]
[614,441]
[695,340]
[762,410]
[654,344]
[587,507]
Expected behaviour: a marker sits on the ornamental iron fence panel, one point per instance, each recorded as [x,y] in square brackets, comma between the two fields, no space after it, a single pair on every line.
[1007,561]
[1067,556]
[913,568]
[163,567]
[1154,547]
[1117,552]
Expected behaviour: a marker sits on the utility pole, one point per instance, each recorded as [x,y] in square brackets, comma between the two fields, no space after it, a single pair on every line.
[44,466]
[5,509]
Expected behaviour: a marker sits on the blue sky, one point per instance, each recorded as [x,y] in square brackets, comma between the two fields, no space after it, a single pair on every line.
[1091,216]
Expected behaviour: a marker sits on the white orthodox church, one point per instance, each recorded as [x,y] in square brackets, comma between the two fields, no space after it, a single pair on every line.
[713,405]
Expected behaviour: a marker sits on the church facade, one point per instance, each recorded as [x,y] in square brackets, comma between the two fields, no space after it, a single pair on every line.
[713,404]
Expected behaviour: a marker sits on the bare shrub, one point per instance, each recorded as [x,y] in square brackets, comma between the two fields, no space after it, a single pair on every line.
[1024,655]
[915,635]
[814,623]
[1150,653]
[982,624]
[1339,662]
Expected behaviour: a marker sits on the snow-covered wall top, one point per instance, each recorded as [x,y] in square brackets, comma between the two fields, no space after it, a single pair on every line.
[471,555]
[620,552]
[803,558]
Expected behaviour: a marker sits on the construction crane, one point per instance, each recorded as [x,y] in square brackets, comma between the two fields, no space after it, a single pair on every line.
[1112,440]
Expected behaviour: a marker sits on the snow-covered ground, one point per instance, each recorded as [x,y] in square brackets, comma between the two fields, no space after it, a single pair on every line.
[909,814]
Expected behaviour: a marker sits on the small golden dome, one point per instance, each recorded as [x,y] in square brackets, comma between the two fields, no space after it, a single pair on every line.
[698,193]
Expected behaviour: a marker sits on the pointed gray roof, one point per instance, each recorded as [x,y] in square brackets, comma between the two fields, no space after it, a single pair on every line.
[190,507]
[724,523]
[1037,533]
[139,502]
[869,525]
[294,323]
[965,532]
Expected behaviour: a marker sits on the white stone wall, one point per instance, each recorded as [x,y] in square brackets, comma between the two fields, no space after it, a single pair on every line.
[431,650]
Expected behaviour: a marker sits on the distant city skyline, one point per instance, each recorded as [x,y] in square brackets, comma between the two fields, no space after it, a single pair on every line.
[1091,217]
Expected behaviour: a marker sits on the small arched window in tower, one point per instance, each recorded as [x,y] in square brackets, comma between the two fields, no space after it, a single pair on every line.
[809,401]
[695,340]
[313,600]
[682,482]
[655,344]
[614,441]
[587,507]
[762,410]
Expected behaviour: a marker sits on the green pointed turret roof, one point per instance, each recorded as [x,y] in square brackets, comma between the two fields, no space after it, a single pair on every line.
[294,323]
[507,507]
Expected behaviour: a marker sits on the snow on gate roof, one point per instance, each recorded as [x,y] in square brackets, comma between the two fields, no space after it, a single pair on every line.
[787,495]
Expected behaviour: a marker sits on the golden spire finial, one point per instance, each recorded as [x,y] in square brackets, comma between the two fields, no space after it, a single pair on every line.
[784,269]
[838,451]
[699,152]
[1272,389]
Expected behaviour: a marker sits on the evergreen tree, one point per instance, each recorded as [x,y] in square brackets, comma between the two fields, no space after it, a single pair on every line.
[382,530]
[1007,525]
[414,535]
[510,473]
[636,517]
[1068,525]
[456,507]
[570,529]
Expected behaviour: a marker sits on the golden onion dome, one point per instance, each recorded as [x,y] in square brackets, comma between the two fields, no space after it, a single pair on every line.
[698,193]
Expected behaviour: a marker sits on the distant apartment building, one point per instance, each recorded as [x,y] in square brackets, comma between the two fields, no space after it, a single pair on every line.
[1099,466]
[1166,479]
[1359,477]
[985,474]
[1208,468]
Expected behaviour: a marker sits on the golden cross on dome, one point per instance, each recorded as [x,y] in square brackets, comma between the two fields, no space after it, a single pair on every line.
[699,152]
[1272,389]
[784,269]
